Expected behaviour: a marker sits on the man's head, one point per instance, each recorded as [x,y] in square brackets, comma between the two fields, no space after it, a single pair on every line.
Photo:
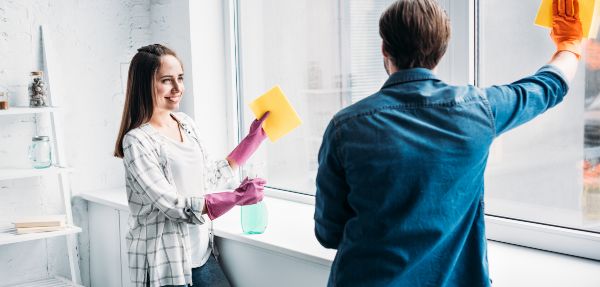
[415,33]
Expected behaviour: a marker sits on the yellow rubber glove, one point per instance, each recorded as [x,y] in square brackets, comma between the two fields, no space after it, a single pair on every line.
[566,26]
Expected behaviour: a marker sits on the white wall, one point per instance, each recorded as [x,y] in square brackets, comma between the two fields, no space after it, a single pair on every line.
[92,39]
[94,42]
[195,30]
[170,26]
[212,94]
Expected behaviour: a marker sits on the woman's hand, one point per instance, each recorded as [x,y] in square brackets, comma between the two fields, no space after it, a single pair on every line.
[250,191]
[249,144]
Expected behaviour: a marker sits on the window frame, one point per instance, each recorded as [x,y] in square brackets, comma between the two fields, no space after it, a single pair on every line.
[558,239]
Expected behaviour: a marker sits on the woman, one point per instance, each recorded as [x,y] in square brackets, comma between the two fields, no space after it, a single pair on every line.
[167,175]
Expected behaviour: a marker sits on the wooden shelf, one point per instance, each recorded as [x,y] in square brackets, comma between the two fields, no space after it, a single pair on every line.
[48,282]
[8,234]
[16,173]
[26,110]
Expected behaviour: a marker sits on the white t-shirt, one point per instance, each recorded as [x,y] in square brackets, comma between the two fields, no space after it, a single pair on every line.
[187,162]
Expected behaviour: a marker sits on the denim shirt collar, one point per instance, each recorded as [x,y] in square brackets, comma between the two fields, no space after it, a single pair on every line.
[409,75]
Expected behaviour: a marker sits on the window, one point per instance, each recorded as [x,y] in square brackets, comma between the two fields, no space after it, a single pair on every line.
[325,55]
[542,179]
[545,171]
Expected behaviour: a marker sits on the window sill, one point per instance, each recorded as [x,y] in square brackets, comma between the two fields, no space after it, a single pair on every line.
[544,237]
[290,231]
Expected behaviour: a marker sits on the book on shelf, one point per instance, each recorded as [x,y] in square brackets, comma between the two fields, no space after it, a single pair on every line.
[41,221]
[26,230]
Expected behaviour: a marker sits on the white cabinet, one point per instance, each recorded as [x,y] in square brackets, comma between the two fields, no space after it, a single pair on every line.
[123,229]
[107,218]
[247,265]
[108,252]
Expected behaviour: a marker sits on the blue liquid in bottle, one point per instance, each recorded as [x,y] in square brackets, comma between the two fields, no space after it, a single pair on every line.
[254,218]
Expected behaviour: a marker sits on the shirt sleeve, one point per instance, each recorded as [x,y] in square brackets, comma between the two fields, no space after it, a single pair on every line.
[332,210]
[147,172]
[517,103]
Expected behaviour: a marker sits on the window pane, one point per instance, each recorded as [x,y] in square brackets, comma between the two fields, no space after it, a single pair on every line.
[535,172]
[325,55]
[293,44]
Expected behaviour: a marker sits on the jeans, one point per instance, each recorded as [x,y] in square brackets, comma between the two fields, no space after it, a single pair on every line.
[209,274]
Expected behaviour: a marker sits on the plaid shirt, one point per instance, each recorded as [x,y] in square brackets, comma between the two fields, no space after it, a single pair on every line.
[158,240]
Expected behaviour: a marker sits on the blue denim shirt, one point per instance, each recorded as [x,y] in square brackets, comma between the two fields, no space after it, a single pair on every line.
[400,178]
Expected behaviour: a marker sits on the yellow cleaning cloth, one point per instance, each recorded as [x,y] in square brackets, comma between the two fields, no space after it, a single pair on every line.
[282,117]
[588,14]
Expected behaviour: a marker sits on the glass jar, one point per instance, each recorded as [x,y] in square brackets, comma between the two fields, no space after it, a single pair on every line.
[37,90]
[40,152]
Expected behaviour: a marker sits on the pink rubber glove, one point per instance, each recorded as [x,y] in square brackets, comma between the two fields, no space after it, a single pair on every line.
[250,191]
[250,143]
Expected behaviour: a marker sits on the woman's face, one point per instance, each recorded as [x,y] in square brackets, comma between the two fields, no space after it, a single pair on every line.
[168,84]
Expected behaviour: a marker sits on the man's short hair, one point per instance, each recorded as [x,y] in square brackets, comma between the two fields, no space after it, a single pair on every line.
[415,33]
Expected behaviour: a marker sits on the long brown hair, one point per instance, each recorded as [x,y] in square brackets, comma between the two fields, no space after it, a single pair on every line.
[139,98]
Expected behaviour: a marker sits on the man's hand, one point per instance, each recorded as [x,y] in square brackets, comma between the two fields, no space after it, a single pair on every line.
[566,26]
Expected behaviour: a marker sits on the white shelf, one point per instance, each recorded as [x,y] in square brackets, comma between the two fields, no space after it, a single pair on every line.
[8,235]
[26,110]
[49,282]
[16,173]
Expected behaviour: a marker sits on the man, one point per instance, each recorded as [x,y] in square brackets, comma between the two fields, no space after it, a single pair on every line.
[400,179]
